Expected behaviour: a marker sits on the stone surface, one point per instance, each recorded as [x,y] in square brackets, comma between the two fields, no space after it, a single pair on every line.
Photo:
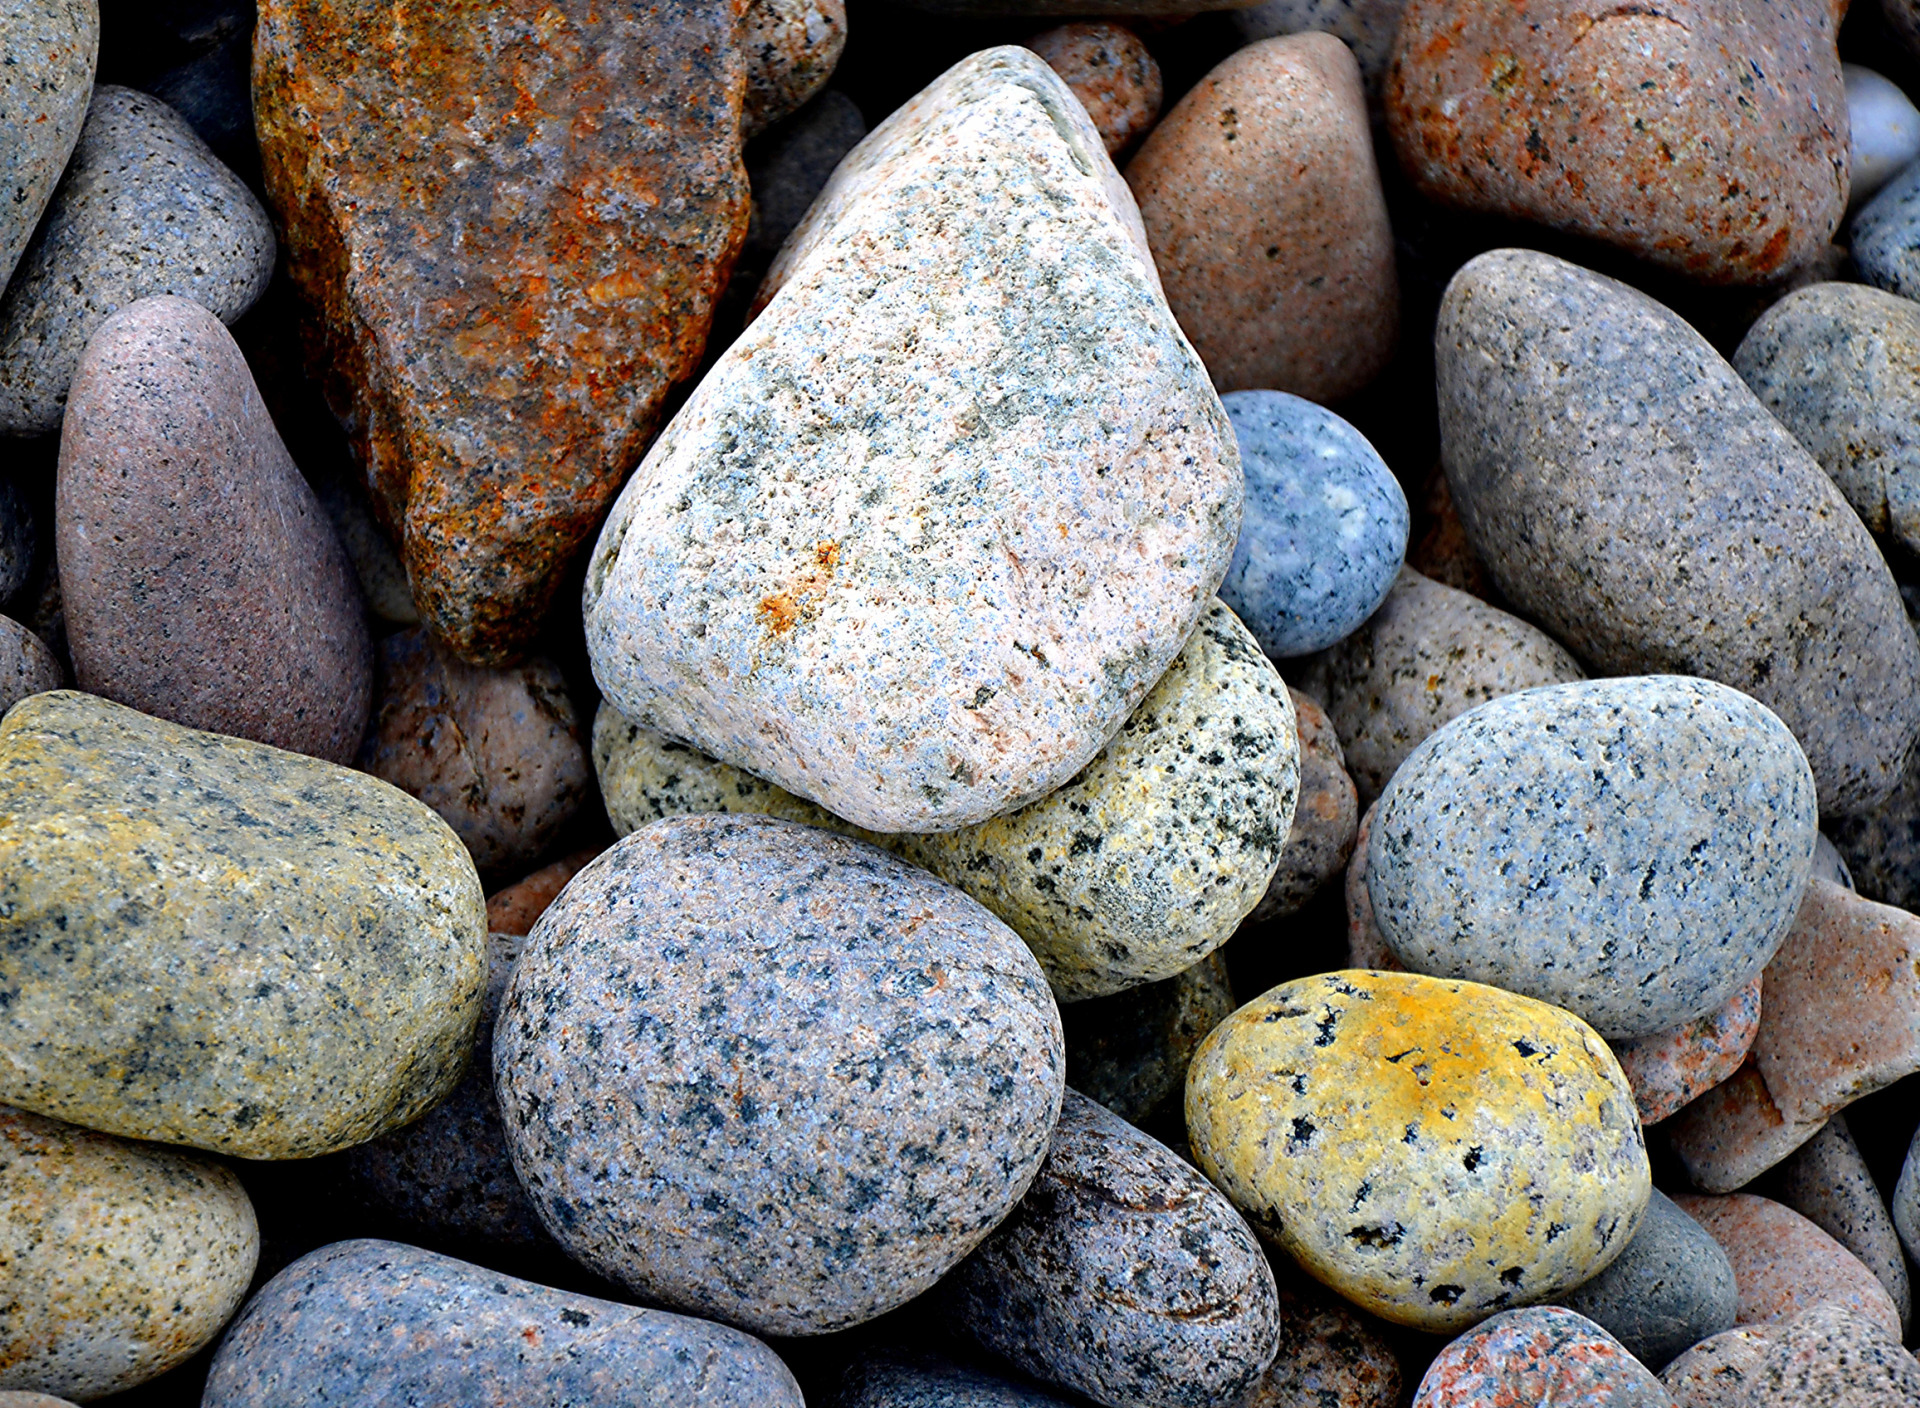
[1881,846]
[1687,533]
[1827,1182]
[1366,945]
[26,665]
[1541,1355]
[1329,1356]
[1325,818]
[203,582]
[1130,1051]
[1633,850]
[1735,1132]
[11,1399]
[1884,127]
[771,1074]
[1826,1357]
[1624,126]
[383,578]
[122,1259]
[1112,74]
[1324,530]
[1783,1264]
[1906,1200]
[1884,238]
[897,1378]
[515,909]
[1263,206]
[1364,26]
[380,1322]
[1671,1288]
[1717,1372]
[211,942]
[143,209]
[511,241]
[51,47]
[1435,1151]
[948,611]
[497,752]
[791,47]
[1429,654]
[1828,863]
[1671,1068]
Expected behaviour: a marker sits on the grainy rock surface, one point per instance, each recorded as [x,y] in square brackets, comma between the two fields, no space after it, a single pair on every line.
[1541,1355]
[1884,238]
[1906,1200]
[1112,74]
[1827,1182]
[11,1399]
[1828,1356]
[1364,26]
[1130,1051]
[208,941]
[51,47]
[771,1074]
[791,47]
[1733,1133]
[1684,531]
[26,665]
[1671,1068]
[1783,1264]
[1671,1288]
[121,1259]
[896,1378]
[1324,819]
[1330,1356]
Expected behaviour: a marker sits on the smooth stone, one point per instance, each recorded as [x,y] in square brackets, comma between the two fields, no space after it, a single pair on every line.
[1111,72]
[1668,1070]
[498,319]
[897,1378]
[1671,1288]
[1427,656]
[773,1075]
[1263,206]
[1623,127]
[378,1322]
[1828,864]
[1325,818]
[122,1260]
[791,48]
[203,582]
[1633,850]
[1783,1264]
[1324,531]
[1827,1182]
[1884,239]
[1716,1372]
[51,47]
[211,942]
[1364,26]
[1543,1354]
[1502,1164]
[144,209]
[497,752]
[26,665]
[1366,945]
[1885,130]
[1329,1356]
[1881,846]
[1733,1133]
[10,1399]
[1826,1357]
[516,909]
[949,611]
[1130,1051]
[1906,1200]
[1684,531]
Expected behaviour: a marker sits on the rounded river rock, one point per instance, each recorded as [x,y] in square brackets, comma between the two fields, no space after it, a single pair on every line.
[1671,1288]
[1542,1355]
[51,47]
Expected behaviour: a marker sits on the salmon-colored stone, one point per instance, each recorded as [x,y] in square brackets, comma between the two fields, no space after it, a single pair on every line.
[1669,1069]
[1735,1132]
[510,220]
[1110,72]
[517,908]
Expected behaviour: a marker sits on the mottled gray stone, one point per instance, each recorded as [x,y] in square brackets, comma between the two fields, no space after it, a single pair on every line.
[1671,1288]
[1881,845]
[1325,819]
[1123,1275]
[50,48]
[1633,850]
[899,1378]
[1827,1182]
[26,665]
[791,47]
[378,1322]
[952,503]
[1885,130]
[1884,238]
[1827,1357]
[1130,1051]
[1682,530]
[143,209]
[772,1074]
[1906,1200]
[1828,863]
[1365,26]
[1544,1355]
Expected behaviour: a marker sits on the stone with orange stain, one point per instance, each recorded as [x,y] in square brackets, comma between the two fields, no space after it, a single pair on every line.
[1784,1264]
[1112,74]
[1709,139]
[515,909]
[510,221]
[1671,1068]
[1542,1355]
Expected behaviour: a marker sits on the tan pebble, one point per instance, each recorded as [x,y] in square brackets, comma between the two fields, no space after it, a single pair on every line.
[1735,1132]
[792,47]
[515,909]
[1110,72]
[1783,1263]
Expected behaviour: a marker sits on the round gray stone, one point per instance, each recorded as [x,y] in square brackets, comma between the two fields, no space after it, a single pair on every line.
[1827,1182]
[50,47]
[1885,238]
[1906,1200]
[1671,1288]
[26,665]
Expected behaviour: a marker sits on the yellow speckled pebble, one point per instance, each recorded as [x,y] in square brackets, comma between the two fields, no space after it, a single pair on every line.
[1434,1150]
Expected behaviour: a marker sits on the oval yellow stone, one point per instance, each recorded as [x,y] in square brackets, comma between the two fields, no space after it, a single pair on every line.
[1434,1150]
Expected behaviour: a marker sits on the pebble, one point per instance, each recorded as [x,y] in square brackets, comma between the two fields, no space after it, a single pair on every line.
[212,87]
[26,665]
[1434,1151]
[1733,1133]
[1827,1182]
[1325,818]
[1542,1354]
[1364,26]
[773,1075]
[1429,654]
[122,1260]
[1130,1051]
[1883,236]
[790,47]
[1906,1200]
[1826,1357]
[1330,1356]
[1263,206]
[10,1399]
[497,752]
[1885,130]
[51,47]
[1709,142]
[1112,74]
[1633,850]
[1684,530]
[203,582]
[951,610]
[1670,1069]
[1828,864]
[473,334]
[143,209]
[1671,1288]
[1881,846]
[1324,530]
[898,1378]
[378,1322]
[517,908]
[1122,1275]
[211,942]
[1716,1372]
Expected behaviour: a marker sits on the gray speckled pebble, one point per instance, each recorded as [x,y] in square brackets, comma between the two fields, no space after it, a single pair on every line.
[1906,1200]
[1829,864]
[1633,850]
[898,1378]
[50,48]
[1885,236]
[1671,1288]
[1325,526]
[26,665]
[773,1075]
[1827,1182]
[1123,1275]
[10,1399]
[1827,1357]
[144,208]
[381,1323]
[1131,1051]
[1681,530]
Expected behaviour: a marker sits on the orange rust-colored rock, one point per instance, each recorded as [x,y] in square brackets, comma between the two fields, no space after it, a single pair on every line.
[1112,74]
[510,220]
[516,909]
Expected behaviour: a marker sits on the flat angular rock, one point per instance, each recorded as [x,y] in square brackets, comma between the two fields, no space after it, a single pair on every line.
[1130,1051]
[791,48]
[1784,1264]
[1683,530]
[1111,72]
[510,241]
[948,610]
[1670,1069]
[1544,1355]
[1827,1182]
[1671,1288]
[51,47]
[1826,1357]
[1325,819]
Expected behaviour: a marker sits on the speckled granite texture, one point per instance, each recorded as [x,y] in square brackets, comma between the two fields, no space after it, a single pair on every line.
[924,617]
[773,1075]
[1325,819]
[1543,1356]
[1884,237]
[898,1378]
[1783,1264]
[208,941]
[1435,1151]
[1906,1198]
[377,1322]
[1633,850]
[1735,1132]
[1123,1275]
[51,46]
[1130,1051]
[1827,1182]
[1330,1355]
[1826,1357]
[1671,1068]
[26,665]
[1671,1288]
[1683,530]
[1112,73]
[791,47]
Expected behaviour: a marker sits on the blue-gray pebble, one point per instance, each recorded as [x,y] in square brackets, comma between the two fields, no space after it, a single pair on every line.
[1633,850]
[1886,236]
[1671,1288]
[1324,529]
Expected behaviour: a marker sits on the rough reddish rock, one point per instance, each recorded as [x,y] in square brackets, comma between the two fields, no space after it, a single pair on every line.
[1325,817]
[1672,1068]
[203,582]
[1826,1357]
[791,49]
[510,220]
[1735,1132]
[1110,72]
[1710,139]
[515,909]
[1263,207]
[1543,1356]
[1330,1356]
